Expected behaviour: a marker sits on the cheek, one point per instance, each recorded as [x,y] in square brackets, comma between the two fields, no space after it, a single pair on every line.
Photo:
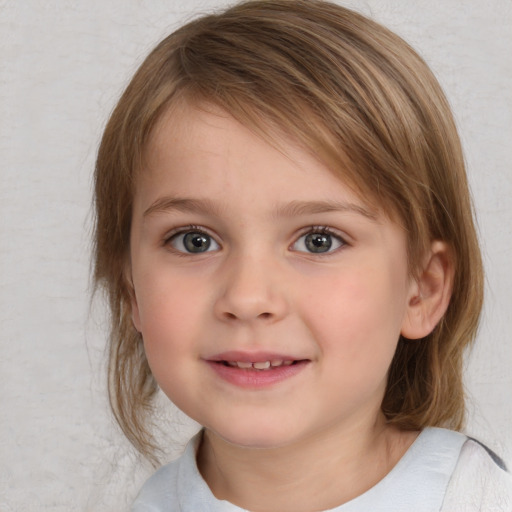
[357,315]
[168,312]
[170,334]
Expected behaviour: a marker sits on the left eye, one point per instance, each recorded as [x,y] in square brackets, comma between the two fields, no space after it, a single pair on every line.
[318,242]
[193,242]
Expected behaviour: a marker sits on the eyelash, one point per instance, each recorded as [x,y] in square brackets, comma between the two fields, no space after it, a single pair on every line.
[310,230]
[183,230]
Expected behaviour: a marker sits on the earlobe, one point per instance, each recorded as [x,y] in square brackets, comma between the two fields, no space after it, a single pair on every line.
[430,293]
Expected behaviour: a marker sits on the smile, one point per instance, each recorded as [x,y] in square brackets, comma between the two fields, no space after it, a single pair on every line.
[256,370]
[260,365]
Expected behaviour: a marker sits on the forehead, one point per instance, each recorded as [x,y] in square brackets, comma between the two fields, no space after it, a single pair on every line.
[195,149]
[190,132]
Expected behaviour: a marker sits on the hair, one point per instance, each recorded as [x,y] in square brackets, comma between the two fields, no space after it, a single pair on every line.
[359,98]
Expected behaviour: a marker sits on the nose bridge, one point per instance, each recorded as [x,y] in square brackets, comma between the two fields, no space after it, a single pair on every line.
[252,288]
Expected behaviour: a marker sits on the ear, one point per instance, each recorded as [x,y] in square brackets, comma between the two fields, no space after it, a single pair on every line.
[134,307]
[430,293]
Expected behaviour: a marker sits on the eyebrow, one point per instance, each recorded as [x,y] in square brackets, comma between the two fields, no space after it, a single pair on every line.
[291,209]
[165,204]
[295,208]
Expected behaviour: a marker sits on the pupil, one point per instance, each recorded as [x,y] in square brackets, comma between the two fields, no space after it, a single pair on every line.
[318,242]
[196,242]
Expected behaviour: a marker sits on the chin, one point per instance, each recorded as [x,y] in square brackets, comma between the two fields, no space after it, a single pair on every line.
[254,435]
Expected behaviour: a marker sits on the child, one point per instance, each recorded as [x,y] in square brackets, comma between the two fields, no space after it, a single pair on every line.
[286,237]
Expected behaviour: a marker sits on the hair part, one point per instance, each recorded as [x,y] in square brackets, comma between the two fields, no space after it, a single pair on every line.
[362,101]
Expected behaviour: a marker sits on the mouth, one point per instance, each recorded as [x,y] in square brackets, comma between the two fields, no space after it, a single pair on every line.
[256,370]
[259,365]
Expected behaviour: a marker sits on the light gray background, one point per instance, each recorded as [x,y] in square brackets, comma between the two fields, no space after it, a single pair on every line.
[63,64]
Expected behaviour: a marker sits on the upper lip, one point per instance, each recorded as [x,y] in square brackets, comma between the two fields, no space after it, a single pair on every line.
[252,357]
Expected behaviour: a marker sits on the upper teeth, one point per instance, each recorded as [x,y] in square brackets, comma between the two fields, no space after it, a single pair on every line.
[260,365]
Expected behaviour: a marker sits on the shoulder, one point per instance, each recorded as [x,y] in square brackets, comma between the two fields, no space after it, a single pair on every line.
[179,486]
[478,482]
[163,491]
[160,491]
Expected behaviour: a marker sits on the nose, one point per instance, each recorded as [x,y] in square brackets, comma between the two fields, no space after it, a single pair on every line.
[253,289]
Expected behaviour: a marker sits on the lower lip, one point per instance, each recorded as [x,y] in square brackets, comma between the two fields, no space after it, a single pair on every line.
[255,379]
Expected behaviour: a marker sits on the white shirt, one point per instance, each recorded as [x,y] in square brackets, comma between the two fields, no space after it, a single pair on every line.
[443,471]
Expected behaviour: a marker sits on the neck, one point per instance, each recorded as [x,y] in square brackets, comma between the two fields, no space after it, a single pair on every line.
[328,469]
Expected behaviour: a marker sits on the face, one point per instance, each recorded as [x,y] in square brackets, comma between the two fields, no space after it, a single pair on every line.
[270,297]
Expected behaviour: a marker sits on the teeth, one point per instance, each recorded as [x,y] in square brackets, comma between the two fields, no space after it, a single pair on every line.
[260,365]
[264,365]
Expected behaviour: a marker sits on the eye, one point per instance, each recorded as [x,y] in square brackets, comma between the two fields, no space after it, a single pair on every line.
[193,242]
[318,241]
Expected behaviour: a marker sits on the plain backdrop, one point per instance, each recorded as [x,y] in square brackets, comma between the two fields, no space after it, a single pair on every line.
[63,65]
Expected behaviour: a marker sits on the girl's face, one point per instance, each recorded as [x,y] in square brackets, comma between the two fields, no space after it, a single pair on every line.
[270,297]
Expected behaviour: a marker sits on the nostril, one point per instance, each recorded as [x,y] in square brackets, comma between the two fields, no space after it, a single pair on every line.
[232,316]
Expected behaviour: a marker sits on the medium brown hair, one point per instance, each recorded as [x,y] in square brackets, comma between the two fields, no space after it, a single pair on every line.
[359,98]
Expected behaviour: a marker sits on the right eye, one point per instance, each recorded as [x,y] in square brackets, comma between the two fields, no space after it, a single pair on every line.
[193,242]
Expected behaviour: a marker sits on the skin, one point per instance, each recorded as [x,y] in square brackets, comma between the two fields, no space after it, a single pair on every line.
[318,438]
